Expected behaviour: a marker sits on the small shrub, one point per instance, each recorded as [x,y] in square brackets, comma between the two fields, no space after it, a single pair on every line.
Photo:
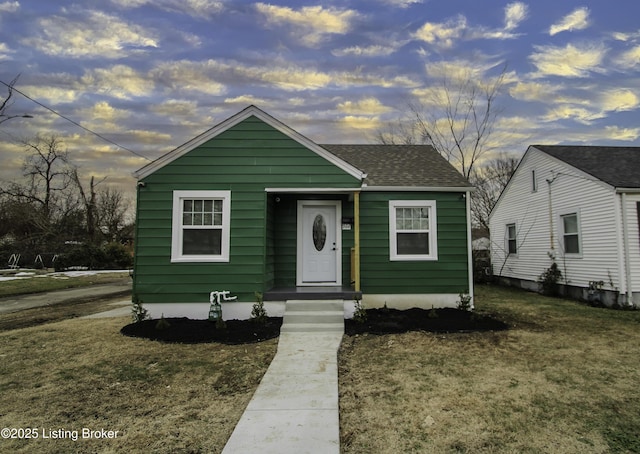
[464,303]
[549,280]
[138,312]
[220,324]
[433,313]
[162,323]
[258,312]
[360,314]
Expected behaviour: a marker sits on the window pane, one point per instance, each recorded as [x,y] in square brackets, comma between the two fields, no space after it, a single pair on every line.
[186,219]
[188,205]
[197,205]
[412,244]
[217,206]
[197,219]
[208,206]
[570,223]
[513,249]
[208,219]
[202,242]
[571,244]
[412,218]
[217,219]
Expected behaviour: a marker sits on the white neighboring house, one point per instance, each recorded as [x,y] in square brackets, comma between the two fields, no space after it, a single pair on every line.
[581,205]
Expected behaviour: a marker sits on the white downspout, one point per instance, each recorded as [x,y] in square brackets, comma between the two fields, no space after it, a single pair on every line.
[625,242]
[621,277]
[467,197]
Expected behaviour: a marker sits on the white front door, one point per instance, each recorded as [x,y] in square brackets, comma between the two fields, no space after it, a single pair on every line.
[319,242]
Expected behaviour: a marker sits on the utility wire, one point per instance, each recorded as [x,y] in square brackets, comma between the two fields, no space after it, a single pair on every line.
[74,122]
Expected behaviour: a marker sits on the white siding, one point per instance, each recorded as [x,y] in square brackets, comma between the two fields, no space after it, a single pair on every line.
[572,191]
[633,240]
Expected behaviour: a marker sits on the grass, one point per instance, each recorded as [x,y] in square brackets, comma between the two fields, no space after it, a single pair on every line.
[564,379]
[161,398]
[44,283]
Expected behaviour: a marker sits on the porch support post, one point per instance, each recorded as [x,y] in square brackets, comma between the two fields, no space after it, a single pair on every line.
[356,240]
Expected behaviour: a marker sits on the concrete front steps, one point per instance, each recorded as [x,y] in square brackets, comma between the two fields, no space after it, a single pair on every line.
[306,316]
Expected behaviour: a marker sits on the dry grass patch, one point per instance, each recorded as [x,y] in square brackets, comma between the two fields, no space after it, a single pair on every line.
[563,379]
[47,283]
[160,398]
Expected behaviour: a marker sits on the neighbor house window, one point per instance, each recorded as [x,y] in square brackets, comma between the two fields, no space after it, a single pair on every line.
[512,239]
[570,233]
[534,182]
[200,226]
[413,230]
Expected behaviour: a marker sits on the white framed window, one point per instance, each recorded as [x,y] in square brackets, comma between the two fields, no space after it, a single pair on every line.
[413,230]
[570,225]
[512,239]
[200,226]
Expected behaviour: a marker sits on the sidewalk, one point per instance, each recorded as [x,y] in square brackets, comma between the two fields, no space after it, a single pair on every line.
[295,408]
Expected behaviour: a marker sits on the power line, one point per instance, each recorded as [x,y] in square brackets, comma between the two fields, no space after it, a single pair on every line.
[74,122]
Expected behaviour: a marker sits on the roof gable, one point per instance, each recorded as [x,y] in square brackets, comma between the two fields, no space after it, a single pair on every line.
[233,121]
[616,166]
[401,165]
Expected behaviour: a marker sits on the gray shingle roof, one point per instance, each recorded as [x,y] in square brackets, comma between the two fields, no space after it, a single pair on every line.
[400,165]
[617,166]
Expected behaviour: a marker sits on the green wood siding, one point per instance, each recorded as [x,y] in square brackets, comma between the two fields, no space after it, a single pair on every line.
[379,275]
[245,159]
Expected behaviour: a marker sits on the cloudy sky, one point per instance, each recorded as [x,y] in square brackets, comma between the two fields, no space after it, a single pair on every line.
[151,74]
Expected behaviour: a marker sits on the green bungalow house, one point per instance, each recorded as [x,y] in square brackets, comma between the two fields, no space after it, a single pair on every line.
[253,206]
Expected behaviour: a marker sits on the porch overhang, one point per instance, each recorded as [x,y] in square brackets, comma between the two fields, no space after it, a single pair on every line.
[346,191]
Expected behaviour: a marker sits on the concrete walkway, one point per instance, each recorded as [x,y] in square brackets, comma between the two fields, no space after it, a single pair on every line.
[295,408]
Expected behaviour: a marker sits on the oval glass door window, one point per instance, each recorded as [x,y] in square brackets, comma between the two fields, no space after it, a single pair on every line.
[319,232]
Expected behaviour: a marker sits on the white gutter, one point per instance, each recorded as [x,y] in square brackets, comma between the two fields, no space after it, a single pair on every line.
[418,188]
[625,241]
[628,190]
[312,190]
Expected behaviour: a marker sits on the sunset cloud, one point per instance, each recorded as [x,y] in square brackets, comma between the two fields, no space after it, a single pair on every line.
[568,61]
[577,20]
[90,34]
[514,13]
[312,23]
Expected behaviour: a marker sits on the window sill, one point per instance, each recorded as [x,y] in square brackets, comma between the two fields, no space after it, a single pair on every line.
[413,258]
[199,259]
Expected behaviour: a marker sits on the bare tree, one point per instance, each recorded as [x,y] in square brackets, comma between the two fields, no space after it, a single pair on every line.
[47,172]
[457,116]
[112,208]
[89,204]
[6,102]
[489,179]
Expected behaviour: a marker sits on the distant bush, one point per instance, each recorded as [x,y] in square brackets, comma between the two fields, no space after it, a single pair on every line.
[85,256]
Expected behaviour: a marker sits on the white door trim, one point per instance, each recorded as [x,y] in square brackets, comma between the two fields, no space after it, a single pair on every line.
[299,243]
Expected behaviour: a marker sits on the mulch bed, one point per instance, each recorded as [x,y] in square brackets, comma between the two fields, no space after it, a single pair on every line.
[189,331]
[445,320]
[379,321]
